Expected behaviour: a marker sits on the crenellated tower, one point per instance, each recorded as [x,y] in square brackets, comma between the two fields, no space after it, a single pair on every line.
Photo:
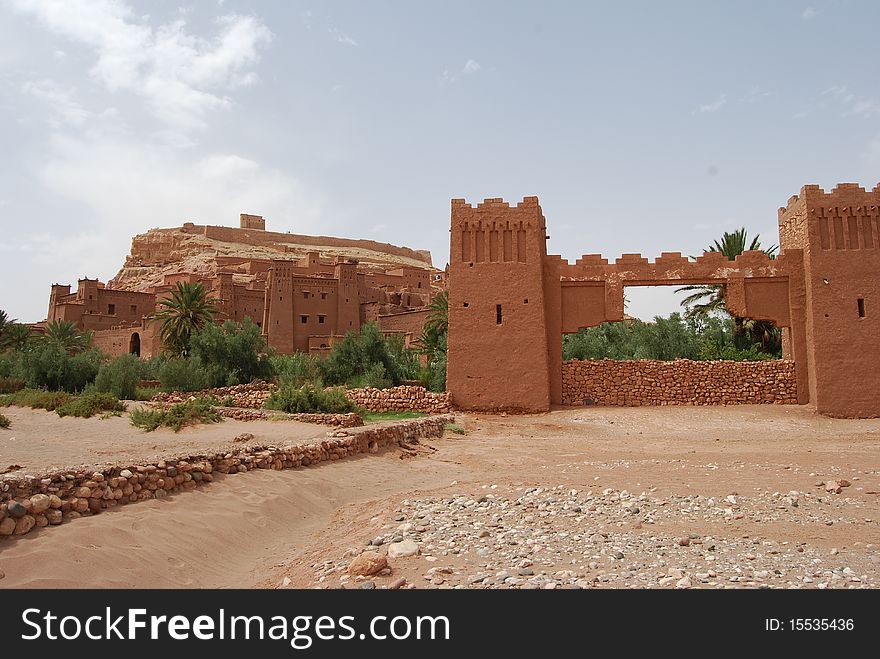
[497,353]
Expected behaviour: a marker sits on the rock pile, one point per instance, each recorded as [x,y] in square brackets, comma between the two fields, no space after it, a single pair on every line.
[251,395]
[680,382]
[400,399]
[29,501]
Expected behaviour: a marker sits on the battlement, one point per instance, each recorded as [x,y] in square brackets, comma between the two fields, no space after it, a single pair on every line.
[527,202]
[846,193]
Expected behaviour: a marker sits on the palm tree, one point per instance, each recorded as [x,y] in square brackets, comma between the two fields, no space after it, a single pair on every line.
[66,334]
[708,299]
[436,325]
[16,336]
[185,311]
[432,341]
[5,321]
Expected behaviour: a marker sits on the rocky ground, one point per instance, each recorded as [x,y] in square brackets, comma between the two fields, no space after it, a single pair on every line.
[558,537]
[706,524]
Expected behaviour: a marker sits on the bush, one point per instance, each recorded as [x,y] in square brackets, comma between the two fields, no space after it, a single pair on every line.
[354,360]
[146,418]
[36,399]
[454,427]
[146,393]
[48,365]
[89,404]
[309,399]
[231,353]
[10,385]
[4,422]
[182,375]
[297,369]
[192,412]
[120,377]
[713,351]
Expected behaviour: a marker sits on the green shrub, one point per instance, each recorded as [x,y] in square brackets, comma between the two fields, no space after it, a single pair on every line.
[308,399]
[147,418]
[297,369]
[454,427]
[4,422]
[182,375]
[713,351]
[192,412]
[89,404]
[146,393]
[48,365]
[120,377]
[231,353]
[354,360]
[10,385]
[150,367]
[36,399]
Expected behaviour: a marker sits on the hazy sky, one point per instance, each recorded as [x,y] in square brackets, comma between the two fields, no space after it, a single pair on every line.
[643,127]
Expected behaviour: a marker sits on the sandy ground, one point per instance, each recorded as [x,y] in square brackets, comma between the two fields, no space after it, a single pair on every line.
[40,441]
[619,492]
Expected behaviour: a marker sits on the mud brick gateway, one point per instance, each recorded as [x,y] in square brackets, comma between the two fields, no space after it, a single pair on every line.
[510,302]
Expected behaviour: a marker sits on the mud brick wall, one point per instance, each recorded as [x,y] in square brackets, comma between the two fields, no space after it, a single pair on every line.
[38,501]
[680,382]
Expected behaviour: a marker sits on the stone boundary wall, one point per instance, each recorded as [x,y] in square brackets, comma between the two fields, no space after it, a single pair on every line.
[680,382]
[347,420]
[400,399]
[404,398]
[37,501]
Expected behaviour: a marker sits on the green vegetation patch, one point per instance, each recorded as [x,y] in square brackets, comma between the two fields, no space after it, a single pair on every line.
[392,416]
[192,412]
[4,421]
[310,399]
[37,399]
[89,404]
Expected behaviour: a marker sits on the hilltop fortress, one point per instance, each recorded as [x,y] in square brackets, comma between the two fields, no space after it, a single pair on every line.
[305,292]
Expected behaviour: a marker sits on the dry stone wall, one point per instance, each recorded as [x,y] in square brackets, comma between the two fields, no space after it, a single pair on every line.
[395,399]
[32,502]
[680,382]
[400,399]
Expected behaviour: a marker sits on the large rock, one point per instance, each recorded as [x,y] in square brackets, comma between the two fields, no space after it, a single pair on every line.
[24,524]
[7,526]
[39,503]
[367,564]
[403,548]
[15,509]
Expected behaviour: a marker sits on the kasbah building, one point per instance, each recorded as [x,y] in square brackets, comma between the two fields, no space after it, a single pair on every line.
[510,302]
[303,301]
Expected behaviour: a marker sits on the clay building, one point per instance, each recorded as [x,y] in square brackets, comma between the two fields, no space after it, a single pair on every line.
[305,292]
[510,302]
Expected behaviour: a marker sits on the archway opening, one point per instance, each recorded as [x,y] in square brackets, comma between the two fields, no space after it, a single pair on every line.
[134,345]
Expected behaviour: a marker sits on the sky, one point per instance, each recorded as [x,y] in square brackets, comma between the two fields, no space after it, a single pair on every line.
[641,126]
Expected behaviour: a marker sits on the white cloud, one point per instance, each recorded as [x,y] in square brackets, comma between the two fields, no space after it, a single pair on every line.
[809,13]
[342,37]
[755,94]
[62,105]
[714,106]
[852,105]
[470,67]
[180,76]
[129,186]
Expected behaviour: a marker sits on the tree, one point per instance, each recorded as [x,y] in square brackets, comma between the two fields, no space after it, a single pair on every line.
[5,322]
[705,300]
[16,336]
[65,334]
[184,312]
[433,339]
